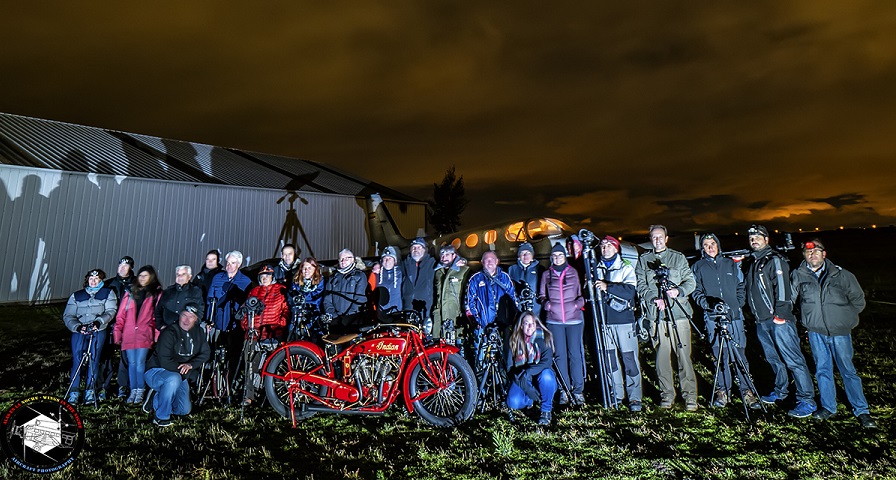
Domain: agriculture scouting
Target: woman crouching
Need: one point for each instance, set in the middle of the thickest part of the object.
(529, 357)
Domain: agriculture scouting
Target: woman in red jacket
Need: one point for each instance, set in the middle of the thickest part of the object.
(267, 327)
(135, 328)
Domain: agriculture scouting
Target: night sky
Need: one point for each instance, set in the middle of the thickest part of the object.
(615, 114)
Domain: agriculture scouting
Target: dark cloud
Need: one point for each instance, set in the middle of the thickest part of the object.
(621, 116)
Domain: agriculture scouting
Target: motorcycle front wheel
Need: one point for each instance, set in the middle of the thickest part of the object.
(447, 396)
(276, 385)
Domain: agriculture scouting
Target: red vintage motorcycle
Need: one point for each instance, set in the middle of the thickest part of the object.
(364, 373)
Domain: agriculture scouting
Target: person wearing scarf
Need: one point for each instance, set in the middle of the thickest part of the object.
(529, 357)
(345, 295)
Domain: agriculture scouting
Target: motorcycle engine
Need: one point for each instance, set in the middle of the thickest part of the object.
(374, 375)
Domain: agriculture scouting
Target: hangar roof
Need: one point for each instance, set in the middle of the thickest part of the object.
(35, 142)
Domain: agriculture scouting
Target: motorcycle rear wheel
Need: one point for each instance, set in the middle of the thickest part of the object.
(455, 402)
(300, 359)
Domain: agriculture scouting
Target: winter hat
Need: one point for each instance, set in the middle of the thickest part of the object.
(389, 252)
(419, 241)
(525, 247)
(128, 260)
(614, 241)
(558, 247)
(447, 249)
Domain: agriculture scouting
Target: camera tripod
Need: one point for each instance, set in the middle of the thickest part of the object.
(730, 353)
(490, 370)
(599, 322)
(87, 360)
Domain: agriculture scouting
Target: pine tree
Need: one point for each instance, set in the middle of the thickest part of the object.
(448, 203)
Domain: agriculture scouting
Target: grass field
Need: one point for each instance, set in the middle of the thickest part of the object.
(588, 442)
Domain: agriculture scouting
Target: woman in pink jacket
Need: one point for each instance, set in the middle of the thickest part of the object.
(135, 328)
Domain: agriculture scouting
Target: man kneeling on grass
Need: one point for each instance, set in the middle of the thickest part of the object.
(178, 358)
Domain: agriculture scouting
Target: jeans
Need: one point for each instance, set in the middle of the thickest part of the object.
(622, 347)
(737, 347)
(136, 365)
(570, 353)
(838, 349)
(80, 344)
(781, 346)
(172, 393)
(547, 387)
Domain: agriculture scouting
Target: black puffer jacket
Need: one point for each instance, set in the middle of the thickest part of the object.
(173, 300)
(830, 307)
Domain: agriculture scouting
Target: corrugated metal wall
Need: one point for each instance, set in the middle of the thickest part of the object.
(58, 225)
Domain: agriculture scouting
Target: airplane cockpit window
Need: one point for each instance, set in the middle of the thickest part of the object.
(515, 232)
(490, 237)
(545, 227)
(472, 240)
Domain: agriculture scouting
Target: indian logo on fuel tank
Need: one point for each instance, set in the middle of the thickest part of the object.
(387, 346)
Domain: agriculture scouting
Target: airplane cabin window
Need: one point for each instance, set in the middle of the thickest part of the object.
(490, 236)
(472, 240)
(455, 243)
(515, 232)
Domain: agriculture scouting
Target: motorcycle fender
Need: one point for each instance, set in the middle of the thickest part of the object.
(406, 383)
(300, 343)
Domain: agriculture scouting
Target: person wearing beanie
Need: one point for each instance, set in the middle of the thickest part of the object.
(110, 363)
(526, 273)
(770, 299)
(830, 301)
(418, 270)
(615, 278)
(719, 280)
(668, 312)
(563, 304)
(450, 283)
(386, 282)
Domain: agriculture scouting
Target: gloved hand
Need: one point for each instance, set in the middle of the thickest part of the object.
(84, 329)
(96, 325)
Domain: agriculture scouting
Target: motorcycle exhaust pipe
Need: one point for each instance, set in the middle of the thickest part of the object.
(337, 389)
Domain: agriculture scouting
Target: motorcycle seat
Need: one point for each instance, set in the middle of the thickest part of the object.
(337, 339)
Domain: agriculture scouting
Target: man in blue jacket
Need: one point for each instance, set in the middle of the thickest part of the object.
(830, 301)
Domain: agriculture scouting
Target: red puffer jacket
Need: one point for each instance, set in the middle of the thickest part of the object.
(135, 329)
(272, 321)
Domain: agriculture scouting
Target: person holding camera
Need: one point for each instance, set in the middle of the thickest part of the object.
(617, 283)
(561, 298)
(664, 282)
(771, 301)
(176, 360)
(530, 353)
(721, 292)
(135, 328)
(490, 299)
(526, 273)
(87, 314)
(450, 281)
(830, 301)
(385, 282)
(266, 308)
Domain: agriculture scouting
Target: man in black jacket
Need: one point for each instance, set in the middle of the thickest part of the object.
(178, 357)
(830, 302)
(177, 296)
(418, 273)
(721, 293)
(770, 299)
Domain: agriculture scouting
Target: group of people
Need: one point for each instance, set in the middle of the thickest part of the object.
(165, 334)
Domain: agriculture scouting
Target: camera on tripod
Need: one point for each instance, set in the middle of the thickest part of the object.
(526, 297)
(721, 313)
(253, 305)
(295, 299)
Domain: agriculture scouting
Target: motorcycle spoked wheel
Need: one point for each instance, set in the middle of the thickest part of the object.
(300, 359)
(455, 402)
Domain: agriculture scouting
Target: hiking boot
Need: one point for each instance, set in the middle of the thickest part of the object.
(691, 407)
(563, 400)
(822, 414)
(771, 398)
(802, 410)
(161, 423)
(89, 396)
(122, 392)
(73, 397)
(545, 418)
(634, 406)
(867, 421)
(720, 399)
(751, 400)
(578, 398)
